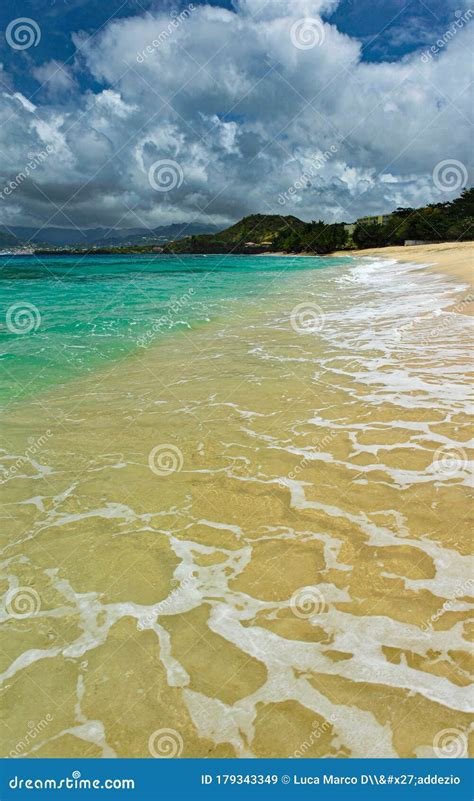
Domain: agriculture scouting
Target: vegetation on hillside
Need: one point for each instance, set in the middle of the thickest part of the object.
(314, 237)
(260, 233)
(259, 228)
(256, 232)
(438, 222)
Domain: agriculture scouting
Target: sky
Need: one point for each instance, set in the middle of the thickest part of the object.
(139, 113)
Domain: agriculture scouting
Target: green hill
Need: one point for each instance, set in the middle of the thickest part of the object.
(255, 233)
(450, 221)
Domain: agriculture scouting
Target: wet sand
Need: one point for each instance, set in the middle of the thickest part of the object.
(455, 259)
(251, 541)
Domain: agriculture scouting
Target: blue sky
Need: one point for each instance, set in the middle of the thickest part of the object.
(243, 109)
(388, 29)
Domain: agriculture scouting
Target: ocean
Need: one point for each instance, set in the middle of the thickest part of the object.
(237, 496)
(69, 315)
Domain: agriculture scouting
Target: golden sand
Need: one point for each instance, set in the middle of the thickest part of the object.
(256, 537)
(455, 259)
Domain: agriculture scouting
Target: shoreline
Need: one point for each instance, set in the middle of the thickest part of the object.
(219, 477)
(452, 259)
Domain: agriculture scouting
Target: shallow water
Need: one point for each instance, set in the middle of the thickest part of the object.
(251, 530)
(66, 316)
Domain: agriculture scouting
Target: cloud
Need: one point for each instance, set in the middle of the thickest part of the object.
(56, 79)
(245, 108)
(276, 9)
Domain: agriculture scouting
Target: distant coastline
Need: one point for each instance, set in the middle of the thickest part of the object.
(453, 257)
(274, 233)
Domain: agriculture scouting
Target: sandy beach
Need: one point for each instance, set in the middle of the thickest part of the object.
(237, 462)
(451, 258)
(253, 532)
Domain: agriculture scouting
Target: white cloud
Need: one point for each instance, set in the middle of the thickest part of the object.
(56, 79)
(276, 9)
(243, 111)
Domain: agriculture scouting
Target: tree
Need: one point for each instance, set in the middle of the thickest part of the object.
(369, 235)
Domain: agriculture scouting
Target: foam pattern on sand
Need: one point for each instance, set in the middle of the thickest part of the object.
(293, 576)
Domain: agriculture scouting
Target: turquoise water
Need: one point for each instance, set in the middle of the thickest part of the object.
(65, 315)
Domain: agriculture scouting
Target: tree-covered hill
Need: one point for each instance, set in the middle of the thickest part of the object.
(257, 232)
(313, 237)
(439, 222)
(261, 233)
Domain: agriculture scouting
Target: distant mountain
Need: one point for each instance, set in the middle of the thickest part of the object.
(7, 239)
(255, 233)
(106, 236)
(167, 233)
